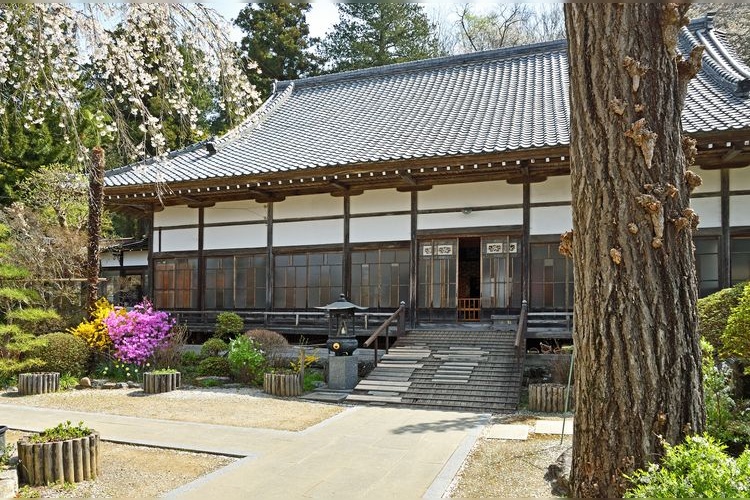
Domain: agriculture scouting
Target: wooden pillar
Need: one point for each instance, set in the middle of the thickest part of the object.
(725, 251)
(346, 272)
(269, 256)
(525, 240)
(150, 272)
(201, 263)
(413, 263)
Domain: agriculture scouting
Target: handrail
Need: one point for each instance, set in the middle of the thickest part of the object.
(400, 315)
(521, 331)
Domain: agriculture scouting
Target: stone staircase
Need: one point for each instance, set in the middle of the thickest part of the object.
(466, 370)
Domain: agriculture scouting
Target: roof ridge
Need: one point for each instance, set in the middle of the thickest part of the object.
(423, 64)
(721, 62)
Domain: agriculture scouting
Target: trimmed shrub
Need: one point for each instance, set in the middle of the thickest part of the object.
(190, 358)
(247, 360)
(713, 313)
(34, 320)
(94, 332)
(735, 338)
(215, 366)
(697, 468)
(228, 325)
(268, 340)
(63, 353)
(213, 346)
(15, 352)
(273, 345)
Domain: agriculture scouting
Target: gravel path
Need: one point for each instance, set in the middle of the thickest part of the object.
(234, 407)
(158, 472)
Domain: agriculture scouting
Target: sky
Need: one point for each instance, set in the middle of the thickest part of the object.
(324, 14)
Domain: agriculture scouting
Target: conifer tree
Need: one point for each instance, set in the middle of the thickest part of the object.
(375, 34)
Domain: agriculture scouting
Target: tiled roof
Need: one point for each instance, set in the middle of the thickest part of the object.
(487, 102)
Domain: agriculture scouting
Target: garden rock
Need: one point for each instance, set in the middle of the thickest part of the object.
(84, 383)
(213, 378)
(133, 385)
(110, 385)
(8, 483)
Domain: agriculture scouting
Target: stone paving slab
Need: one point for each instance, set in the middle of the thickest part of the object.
(517, 432)
(554, 426)
(363, 452)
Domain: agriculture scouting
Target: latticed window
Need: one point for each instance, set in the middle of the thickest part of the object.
(305, 280)
(707, 265)
(380, 278)
(176, 283)
(740, 248)
(551, 278)
(437, 273)
(235, 282)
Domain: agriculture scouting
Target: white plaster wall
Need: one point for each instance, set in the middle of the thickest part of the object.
(244, 236)
(108, 260)
(739, 211)
(551, 220)
(320, 232)
(139, 258)
(175, 240)
(473, 194)
(553, 189)
(234, 211)
(380, 200)
(176, 216)
(739, 179)
(477, 218)
(709, 211)
(388, 228)
(711, 180)
(315, 205)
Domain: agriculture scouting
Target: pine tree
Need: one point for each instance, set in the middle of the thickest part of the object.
(277, 43)
(375, 34)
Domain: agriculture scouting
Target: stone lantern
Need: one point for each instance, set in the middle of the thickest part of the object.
(343, 341)
(342, 363)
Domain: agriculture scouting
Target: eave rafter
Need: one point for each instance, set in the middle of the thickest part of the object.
(515, 167)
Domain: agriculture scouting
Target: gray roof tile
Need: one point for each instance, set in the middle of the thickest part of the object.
(493, 101)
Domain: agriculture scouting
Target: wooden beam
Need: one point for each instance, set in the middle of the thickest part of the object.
(409, 179)
(731, 154)
(412, 189)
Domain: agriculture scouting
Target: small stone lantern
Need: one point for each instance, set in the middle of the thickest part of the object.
(342, 363)
(343, 341)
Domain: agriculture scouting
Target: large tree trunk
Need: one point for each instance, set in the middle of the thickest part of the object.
(638, 375)
(96, 202)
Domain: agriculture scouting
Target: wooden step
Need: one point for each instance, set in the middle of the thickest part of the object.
(374, 399)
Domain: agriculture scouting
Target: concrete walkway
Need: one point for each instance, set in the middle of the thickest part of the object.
(364, 452)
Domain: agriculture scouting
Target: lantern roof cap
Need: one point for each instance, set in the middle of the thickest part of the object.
(341, 305)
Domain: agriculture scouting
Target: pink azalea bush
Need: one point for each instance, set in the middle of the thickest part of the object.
(138, 333)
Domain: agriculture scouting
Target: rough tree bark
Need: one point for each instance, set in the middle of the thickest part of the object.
(96, 202)
(638, 375)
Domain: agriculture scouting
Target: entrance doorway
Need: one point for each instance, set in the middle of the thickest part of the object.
(469, 279)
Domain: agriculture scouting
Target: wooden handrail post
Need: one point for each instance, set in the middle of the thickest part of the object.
(401, 319)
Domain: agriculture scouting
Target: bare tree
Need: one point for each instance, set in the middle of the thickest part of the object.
(638, 372)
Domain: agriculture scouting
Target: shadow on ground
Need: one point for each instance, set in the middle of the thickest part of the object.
(453, 424)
